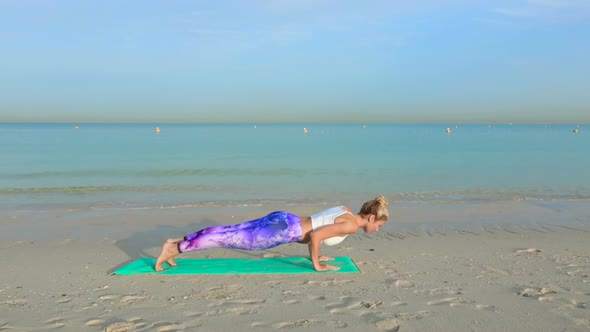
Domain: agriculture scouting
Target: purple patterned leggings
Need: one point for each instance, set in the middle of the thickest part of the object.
(274, 229)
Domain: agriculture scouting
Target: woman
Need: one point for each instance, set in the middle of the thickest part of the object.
(330, 227)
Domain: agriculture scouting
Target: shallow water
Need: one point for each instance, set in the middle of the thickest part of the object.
(130, 166)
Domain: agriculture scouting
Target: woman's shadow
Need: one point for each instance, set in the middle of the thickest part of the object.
(135, 246)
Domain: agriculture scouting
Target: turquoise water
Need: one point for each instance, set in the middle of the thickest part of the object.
(130, 166)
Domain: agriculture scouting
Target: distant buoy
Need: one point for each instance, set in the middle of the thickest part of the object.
(576, 130)
(305, 131)
(77, 127)
(448, 130)
(254, 126)
(157, 130)
(364, 126)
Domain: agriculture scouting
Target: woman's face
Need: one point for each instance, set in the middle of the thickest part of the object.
(374, 225)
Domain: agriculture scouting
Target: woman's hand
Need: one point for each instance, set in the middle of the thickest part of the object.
(325, 258)
(326, 267)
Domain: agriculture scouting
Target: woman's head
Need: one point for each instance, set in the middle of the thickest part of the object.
(376, 207)
(375, 213)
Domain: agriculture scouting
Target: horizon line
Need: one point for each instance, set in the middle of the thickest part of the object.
(299, 123)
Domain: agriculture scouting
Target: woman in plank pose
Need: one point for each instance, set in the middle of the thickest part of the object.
(330, 227)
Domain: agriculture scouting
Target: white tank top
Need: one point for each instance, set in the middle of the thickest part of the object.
(325, 218)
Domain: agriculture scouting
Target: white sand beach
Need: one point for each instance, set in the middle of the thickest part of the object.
(495, 275)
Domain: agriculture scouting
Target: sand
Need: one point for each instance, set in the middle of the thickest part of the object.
(503, 267)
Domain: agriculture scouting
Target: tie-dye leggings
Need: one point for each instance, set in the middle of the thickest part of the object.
(269, 231)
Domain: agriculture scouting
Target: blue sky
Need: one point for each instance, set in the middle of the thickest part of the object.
(295, 61)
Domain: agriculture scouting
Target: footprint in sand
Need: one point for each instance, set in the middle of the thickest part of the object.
(347, 304)
(413, 315)
(574, 266)
(344, 306)
(439, 291)
(529, 292)
(382, 322)
(565, 303)
(171, 328)
(306, 323)
(130, 325)
(245, 301)
(292, 297)
(220, 293)
(527, 251)
(328, 283)
(302, 323)
(490, 270)
(486, 307)
(237, 301)
(167, 327)
(578, 274)
(534, 291)
(452, 301)
(6, 326)
(94, 322)
(389, 324)
(577, 304)
(131, 298)
(53, 323)
(285, 282)
(398, 303)
(120, 327)
(371, 304)
(15, 302)
(225, 311)
(64, 300)
(404, 284)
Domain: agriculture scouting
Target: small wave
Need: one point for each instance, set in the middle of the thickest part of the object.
(426, 196)
(321, 201)
(253, 203)
(165, 173)
(100, 189)
(492, 195)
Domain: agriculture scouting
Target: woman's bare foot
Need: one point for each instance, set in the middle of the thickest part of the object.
(169, 251)
(172, 262)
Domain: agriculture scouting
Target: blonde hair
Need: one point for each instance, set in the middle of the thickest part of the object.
(376, 207)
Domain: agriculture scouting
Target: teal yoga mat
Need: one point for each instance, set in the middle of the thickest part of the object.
(278, 265)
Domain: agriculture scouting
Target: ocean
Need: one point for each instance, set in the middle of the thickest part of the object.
(130, 166)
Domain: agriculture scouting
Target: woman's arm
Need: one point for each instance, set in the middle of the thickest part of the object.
(326, 232)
